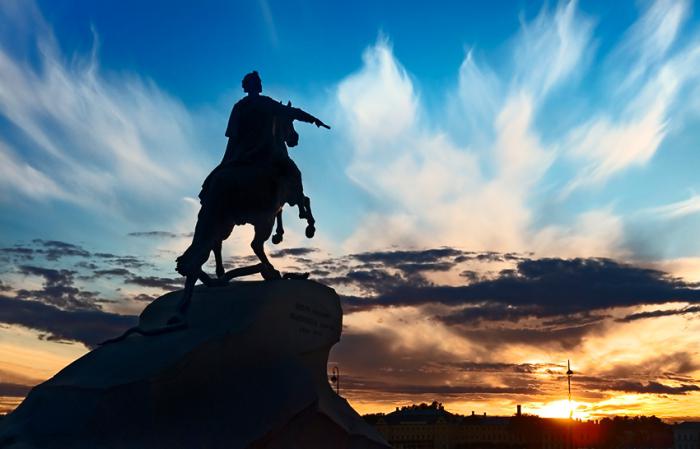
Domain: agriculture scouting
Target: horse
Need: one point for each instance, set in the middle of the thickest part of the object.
(248, 194)
(292, 182)
(234, 195)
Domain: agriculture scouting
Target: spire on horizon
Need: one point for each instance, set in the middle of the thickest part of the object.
(569, 373)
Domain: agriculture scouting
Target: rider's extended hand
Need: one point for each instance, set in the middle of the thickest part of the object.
(319, 123)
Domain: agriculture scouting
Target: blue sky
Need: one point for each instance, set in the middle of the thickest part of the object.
(195, 56)
(558, 130)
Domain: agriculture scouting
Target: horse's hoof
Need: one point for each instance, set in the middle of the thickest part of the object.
(310, 231)
(277, 239)
(219, 282)
(220, 273)
(271, 274)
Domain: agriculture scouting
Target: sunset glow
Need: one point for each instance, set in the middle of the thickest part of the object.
(561, 409)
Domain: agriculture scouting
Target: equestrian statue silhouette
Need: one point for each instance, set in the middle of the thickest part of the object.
(252, 183)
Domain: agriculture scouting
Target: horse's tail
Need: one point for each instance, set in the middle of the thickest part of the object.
(205, 235)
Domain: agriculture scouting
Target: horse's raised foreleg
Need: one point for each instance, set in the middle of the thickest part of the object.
(299, 200)
(279, 229)
(263, 229)
(310, 221)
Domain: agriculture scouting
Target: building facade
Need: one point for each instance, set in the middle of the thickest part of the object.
(686, 435)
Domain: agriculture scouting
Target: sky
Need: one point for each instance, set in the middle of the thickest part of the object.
(504, 187)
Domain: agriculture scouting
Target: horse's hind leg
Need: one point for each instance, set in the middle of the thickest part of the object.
(184, 302)
(279, 230)
(310, 221)
(220, 270)
(262, 233)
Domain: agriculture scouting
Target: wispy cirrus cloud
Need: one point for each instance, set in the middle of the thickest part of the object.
(648, 41)
(677, 209)
(552, 48)
(20, 177)
(472, 189)
(647, 75)
(489, 168)
(108, 142)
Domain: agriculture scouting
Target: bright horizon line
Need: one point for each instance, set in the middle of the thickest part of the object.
(548, 411)
(593, 418)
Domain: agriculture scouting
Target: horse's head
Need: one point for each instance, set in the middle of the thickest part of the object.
(287, 133)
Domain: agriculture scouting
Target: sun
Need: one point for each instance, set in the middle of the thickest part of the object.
(561, 408)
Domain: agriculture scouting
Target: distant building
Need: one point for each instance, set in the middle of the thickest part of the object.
(430, 426)
(686, 435)
(416, 429)
(567, 434)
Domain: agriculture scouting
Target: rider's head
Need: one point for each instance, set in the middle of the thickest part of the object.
(252, 83)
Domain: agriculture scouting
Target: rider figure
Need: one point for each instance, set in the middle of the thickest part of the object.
(246, 187)
(251, 138)
(249, 129)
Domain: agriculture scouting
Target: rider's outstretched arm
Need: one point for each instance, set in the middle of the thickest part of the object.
(304, 116)
(298, 114)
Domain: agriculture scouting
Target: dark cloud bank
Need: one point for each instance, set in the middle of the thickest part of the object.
(535, 302)
(535, 287)
(571, 296)
(62, 310)
(86, 326)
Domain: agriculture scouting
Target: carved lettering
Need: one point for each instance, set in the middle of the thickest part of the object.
(313, 320)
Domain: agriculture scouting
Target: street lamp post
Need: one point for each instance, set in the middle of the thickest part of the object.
(335, 379)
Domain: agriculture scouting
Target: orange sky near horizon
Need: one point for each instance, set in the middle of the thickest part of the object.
(28, 359)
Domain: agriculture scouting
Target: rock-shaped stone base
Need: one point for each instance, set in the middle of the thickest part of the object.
(248, 371)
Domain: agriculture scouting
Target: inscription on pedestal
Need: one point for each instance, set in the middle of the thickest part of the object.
(313, 320)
